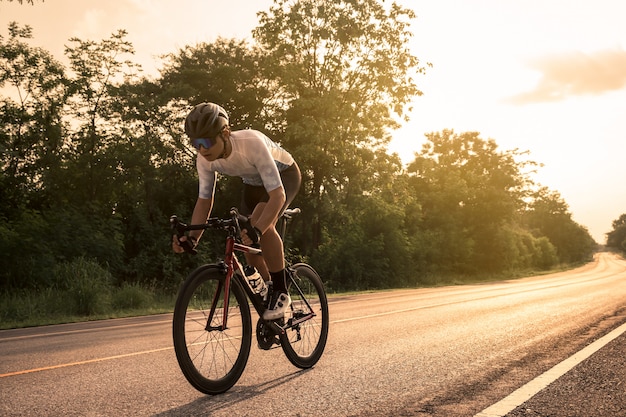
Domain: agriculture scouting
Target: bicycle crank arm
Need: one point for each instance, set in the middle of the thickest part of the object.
(276, 328)
(294, 322)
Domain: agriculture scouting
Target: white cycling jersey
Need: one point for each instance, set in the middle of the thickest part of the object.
(255, 158)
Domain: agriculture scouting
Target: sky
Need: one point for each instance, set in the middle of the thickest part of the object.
(544, 76)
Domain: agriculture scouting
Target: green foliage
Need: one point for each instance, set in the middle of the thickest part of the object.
(84, 205)
(18, 308)
(25, 257)
(131, 296)
(93, 163)
(548, 216)
(616, 238)
(344, 72)
(230, 72)
(87, 286)
(470, 193)
(30, 119)
(367, 249)
(50, 305)
(35, 242)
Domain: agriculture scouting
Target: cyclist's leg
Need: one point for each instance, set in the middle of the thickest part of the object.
(291, 178)
(250, 198)
(273, 253)
(258, 262)
(271, 241)
(255, 199)
(252, 204)
(273, 249)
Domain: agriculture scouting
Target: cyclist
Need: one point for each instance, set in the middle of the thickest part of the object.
(271, 180)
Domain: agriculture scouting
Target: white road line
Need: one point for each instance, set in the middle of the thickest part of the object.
(523, 394)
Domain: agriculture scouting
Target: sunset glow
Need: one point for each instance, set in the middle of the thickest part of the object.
(547, 77)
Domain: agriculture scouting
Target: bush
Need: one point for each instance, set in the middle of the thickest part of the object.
(545, 255)
(35, 308)
(87, 284)
(131, 296)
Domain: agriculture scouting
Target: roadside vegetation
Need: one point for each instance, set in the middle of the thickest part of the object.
(94, 161)
(616, 238)
(81, 290)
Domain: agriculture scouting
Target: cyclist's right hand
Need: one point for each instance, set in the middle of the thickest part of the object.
(182, 244)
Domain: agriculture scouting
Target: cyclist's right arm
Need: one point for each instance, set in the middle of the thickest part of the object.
(201, 213)
(207, 179)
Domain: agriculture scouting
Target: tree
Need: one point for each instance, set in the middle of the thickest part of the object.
(229, 72)
(469, 192)
(481, 212)
(548, 215)
(98, 68)
(616, 238)
(22, 1)
(345, 72)
(155, 178)
(31, 129)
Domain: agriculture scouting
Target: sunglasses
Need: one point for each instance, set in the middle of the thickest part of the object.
(205, 143)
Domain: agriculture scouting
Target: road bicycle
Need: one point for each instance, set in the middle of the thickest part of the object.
(212, 324)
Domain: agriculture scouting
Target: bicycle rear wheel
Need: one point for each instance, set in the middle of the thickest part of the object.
(211, 357)
(304, 342)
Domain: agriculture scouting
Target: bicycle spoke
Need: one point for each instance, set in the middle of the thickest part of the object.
(211, 355)
(307, 324)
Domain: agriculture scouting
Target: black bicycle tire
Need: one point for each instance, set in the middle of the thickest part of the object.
(182, 319)
(306, 272)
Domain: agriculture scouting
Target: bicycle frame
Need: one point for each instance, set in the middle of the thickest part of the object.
(231, 266)
(212, 346)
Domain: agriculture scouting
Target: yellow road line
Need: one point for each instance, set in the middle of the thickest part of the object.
(65, 365)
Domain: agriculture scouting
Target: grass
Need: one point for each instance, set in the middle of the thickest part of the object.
(27, 309)
(80, 290)
(83, 292)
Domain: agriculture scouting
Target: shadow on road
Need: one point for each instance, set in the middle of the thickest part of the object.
(209, 404)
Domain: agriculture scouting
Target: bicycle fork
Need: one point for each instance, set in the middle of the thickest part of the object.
(216, 298)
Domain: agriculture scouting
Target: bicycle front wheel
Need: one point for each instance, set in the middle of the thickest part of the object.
(211, 355)
(305, 337)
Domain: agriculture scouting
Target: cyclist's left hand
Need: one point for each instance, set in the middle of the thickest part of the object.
(183, 244)
(250, 235)
(176, 246)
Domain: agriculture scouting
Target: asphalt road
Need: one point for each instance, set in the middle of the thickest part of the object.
(451, 351)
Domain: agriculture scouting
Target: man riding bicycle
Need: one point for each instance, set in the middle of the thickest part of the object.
(271, 180)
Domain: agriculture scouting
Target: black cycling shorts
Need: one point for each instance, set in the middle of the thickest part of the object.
(253, 195)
